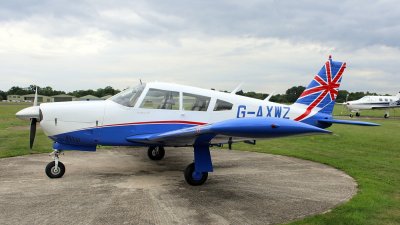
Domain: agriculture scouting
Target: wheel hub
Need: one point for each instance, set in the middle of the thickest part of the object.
(55, 170)
(155, 152)
(197, 175)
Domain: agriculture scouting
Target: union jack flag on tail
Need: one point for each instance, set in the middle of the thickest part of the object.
(321, 93)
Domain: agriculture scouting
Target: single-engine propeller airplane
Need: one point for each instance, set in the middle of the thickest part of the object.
(158, 115)
(373, 102)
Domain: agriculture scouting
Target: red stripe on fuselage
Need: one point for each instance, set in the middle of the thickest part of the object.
(156, 122)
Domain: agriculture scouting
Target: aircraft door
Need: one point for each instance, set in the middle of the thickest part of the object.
(195, 107)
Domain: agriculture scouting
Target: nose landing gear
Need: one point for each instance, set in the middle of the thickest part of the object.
(156, 152)
(55, 169)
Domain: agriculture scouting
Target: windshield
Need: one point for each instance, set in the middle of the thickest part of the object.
(129, 96)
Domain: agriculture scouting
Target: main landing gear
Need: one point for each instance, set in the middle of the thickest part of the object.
(55, 169)
(195, 173)
(357, 115)
(156, 152)
(194, 178)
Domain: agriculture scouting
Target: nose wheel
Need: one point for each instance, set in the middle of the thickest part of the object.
(55, 169)
(156, 152)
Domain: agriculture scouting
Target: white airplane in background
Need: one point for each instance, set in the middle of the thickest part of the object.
(158, 115)
(373, 102)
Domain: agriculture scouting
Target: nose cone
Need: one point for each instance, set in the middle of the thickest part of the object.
(29, 113)
(350, 105)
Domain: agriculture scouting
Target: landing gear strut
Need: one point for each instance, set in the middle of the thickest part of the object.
(196, 173)
(55, 169)
(156, 152)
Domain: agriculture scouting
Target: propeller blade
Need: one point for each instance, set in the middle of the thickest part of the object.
(32, 132)
(35, 100)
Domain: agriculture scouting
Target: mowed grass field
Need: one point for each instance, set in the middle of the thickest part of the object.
(371, 155)
(14, 133)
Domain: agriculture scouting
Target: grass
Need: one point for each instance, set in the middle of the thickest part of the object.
(370, 155)
(14, 133)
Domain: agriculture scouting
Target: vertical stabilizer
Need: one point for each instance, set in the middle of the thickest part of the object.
(321, 93)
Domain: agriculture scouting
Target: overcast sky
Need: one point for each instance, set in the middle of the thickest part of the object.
(266, 45)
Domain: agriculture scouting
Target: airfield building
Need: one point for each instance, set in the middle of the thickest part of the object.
(55, 98)
(89, 98)
(106, 97)
(62, 98)
(31, 97)
(14, 98)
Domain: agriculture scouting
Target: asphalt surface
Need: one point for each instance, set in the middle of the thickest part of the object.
(122, 186)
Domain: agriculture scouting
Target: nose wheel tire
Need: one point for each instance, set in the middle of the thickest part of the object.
(195, 178)
(156, 152)
(53, 172)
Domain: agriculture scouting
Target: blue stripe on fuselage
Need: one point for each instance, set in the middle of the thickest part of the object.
(114, 135)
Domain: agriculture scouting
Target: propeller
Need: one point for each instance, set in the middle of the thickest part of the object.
(32, 132)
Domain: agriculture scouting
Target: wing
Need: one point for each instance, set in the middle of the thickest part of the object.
(258, 127)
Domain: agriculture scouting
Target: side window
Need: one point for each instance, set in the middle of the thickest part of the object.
(222, 105)
(192, 102)
(380, 99)
(386, 99)
(161, 99)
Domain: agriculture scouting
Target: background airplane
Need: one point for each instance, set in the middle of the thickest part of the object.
(157, 115)
(373, 102)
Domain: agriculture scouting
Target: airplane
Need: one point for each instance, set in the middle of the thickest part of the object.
(373, 102)
(158, 115)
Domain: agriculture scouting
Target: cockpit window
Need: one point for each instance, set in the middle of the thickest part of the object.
(192, 102)
(222, 105)
(129, 96)
(161, 99)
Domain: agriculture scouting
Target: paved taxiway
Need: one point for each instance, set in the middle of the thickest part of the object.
(122, 186)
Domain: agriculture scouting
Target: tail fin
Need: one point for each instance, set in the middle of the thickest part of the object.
(321, 93)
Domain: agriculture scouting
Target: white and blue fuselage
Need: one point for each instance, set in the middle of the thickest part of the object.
(109, 122)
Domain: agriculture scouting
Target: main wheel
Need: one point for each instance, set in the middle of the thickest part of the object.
(52, 172)
(194, 178)
(386, 116)
(357, 114)
(351, 115)
(156, 152)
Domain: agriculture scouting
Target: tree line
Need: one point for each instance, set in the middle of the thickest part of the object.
(49, 91)
(293, 93)
(290, 96)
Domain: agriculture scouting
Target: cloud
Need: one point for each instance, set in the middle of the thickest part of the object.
(268, 45)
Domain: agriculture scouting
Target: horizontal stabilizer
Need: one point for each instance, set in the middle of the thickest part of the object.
(348, 122)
